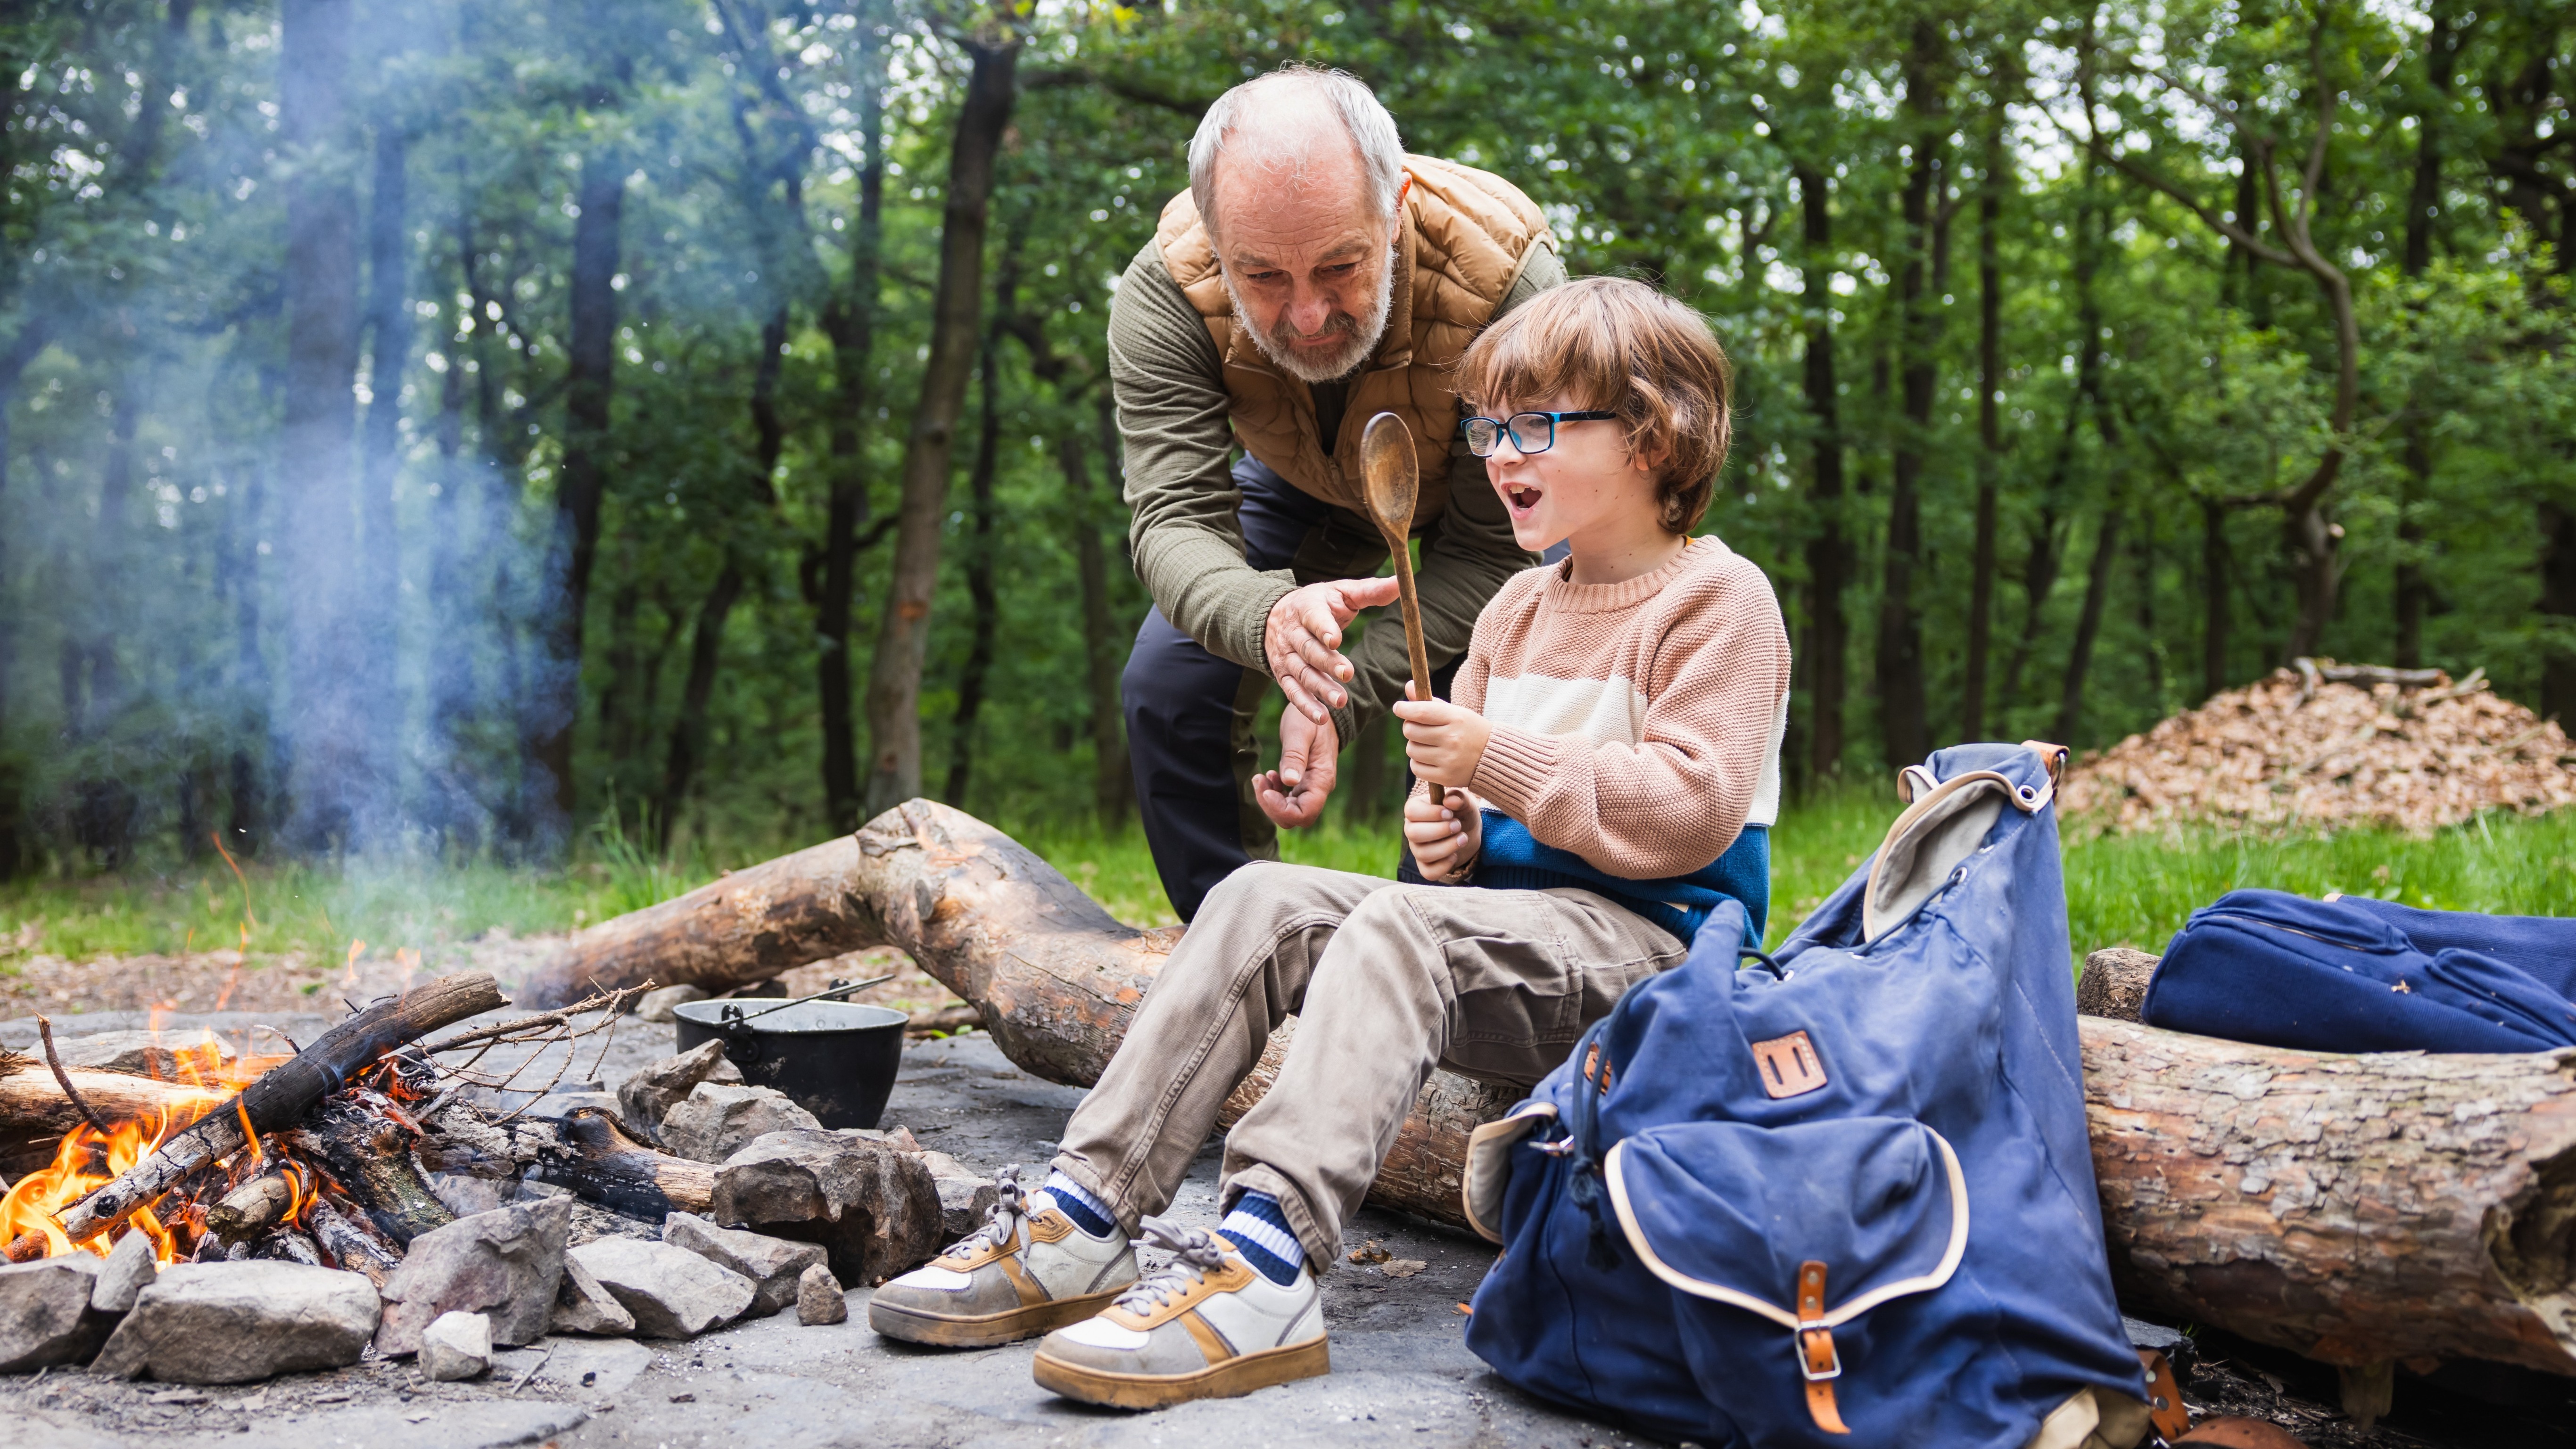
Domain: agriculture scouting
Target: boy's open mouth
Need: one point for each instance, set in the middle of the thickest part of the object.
(1523, 498)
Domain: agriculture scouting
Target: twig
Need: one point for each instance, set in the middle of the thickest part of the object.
(522, 1381)
(543, 1021)
(45, 1030)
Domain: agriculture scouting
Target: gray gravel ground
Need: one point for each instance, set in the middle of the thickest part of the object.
(1401, 1376)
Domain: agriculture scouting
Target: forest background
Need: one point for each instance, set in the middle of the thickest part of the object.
(483, 434)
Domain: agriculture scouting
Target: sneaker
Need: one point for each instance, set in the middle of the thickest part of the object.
(1028, 1269)
(1206, 1326)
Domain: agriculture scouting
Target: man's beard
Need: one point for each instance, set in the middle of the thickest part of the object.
(1359, 340)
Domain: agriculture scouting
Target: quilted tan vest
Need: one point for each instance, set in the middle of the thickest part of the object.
(1467, 236)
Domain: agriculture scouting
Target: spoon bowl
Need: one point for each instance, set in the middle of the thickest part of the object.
(1393, 470)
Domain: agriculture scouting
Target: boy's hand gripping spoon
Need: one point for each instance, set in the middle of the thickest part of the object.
(1394, 483)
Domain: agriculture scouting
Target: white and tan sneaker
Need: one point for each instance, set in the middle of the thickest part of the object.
(1207, 1326)
(1028, 1269)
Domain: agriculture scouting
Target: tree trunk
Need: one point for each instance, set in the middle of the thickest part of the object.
(2215, 583)
(2039, 572)
(1990, 437)
(850, 320)
(2088, 626)
(380, 583)
(2351, 1208)
(2423, 209)
(706, 645)
(580, 483)
(22, 350)
(979, 563)
(903, 632)
(2558, 609)
(316, 442)
(1829, 554)
(1905, 729)
(1113, 783)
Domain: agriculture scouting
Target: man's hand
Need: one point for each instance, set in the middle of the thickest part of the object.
(1445, 837)
(1303, 640)
(1444, 741)
(1309, 758)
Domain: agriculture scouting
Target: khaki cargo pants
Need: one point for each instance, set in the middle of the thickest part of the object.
(1387, 981)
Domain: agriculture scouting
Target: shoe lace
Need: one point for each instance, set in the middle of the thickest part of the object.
(1195, 1254)
(1001, 1221)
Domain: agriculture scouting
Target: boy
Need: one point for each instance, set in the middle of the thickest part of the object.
(1611, 766)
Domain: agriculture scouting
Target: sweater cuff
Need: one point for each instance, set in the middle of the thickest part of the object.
(1516, 769)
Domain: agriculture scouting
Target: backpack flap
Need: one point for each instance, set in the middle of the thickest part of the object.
(1489, 1164)
(1807, 1226)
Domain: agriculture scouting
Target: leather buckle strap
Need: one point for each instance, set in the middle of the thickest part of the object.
(1819, 1363)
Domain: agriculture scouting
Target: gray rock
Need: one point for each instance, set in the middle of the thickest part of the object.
(584, 1305)
(648, 1096)
(820, 1299)
(232, 1323)
(507, 1263)
(661, 1006)
(672, 1292)
(144, 1053)
(874, 1208)
(130, 1267)
(45, 1312)
(466, 1196)
(715, 1121)
(456, 1347)
(965, 1196)
(772, 1264)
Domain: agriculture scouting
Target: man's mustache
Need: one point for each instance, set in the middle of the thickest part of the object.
(1339, 324)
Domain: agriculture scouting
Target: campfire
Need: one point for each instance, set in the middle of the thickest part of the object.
(90, 1156)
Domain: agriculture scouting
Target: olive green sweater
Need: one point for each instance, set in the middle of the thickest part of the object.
(1188, 546)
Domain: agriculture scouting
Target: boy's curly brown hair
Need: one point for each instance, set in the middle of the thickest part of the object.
(1617, 346)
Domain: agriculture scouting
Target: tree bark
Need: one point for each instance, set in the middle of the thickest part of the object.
(2423, 209)
(2039, 571)
(1905, 727)
(22, 349)
(2088, 626)
(2216, 582)
(1829, 554)
(1990, 436)
(2355, 1209)
(2351, 1208)
(850, 320)
(580, 484)
(903, 632)
(317, 438)
(986, 603)
(588, 1153)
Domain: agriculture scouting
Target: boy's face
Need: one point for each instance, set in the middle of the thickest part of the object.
(1587, 484)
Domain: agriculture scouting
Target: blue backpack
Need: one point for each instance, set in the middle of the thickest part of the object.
(2359, 975)
(1844, 1192)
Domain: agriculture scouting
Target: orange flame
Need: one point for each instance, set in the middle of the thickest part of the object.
(88, 1160)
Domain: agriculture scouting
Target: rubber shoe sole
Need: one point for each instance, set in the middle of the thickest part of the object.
(1231, 1379)
(985, 1330)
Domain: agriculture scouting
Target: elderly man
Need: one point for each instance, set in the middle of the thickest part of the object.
(1312, 277)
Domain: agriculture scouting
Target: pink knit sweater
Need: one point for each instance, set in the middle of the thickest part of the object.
(1635, 724)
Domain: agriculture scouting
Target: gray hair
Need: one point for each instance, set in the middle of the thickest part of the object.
(1370, 128)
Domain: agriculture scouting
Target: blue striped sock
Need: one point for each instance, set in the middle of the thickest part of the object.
(1088, 1213)
(1259, 1230)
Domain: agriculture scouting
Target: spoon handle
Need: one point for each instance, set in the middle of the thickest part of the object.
(1421, 655)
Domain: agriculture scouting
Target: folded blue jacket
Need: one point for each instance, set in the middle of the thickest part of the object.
(1513, 859)
(2365, 976)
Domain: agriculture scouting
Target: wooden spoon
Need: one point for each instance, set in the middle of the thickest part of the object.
(1394, 484)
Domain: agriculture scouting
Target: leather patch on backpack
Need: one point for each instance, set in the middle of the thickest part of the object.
(1788, 1065)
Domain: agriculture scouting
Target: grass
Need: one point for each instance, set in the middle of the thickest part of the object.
(2121, 890)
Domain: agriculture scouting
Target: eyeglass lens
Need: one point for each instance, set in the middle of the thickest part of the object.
(1531, 433)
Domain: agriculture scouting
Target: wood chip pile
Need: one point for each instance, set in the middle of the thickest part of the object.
(2306, 750)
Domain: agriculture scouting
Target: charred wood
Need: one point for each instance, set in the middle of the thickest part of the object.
(369, 1156)
(587, 1152)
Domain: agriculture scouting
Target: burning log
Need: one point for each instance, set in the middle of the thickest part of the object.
(349, 1245)
(35, 1112)
(252, 1208)
(589, 1153)
(2356, 1209)
(285, 1093)
(368, 1154)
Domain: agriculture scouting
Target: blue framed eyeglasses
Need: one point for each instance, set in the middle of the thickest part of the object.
(1531, 432)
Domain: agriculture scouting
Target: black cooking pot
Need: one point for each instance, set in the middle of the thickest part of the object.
(832, 1058)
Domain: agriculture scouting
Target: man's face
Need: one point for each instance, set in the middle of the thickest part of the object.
(1308, 262)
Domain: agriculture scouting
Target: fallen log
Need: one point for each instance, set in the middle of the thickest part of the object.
(2355, 1209)
(33, 1104)
(286, 1092)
